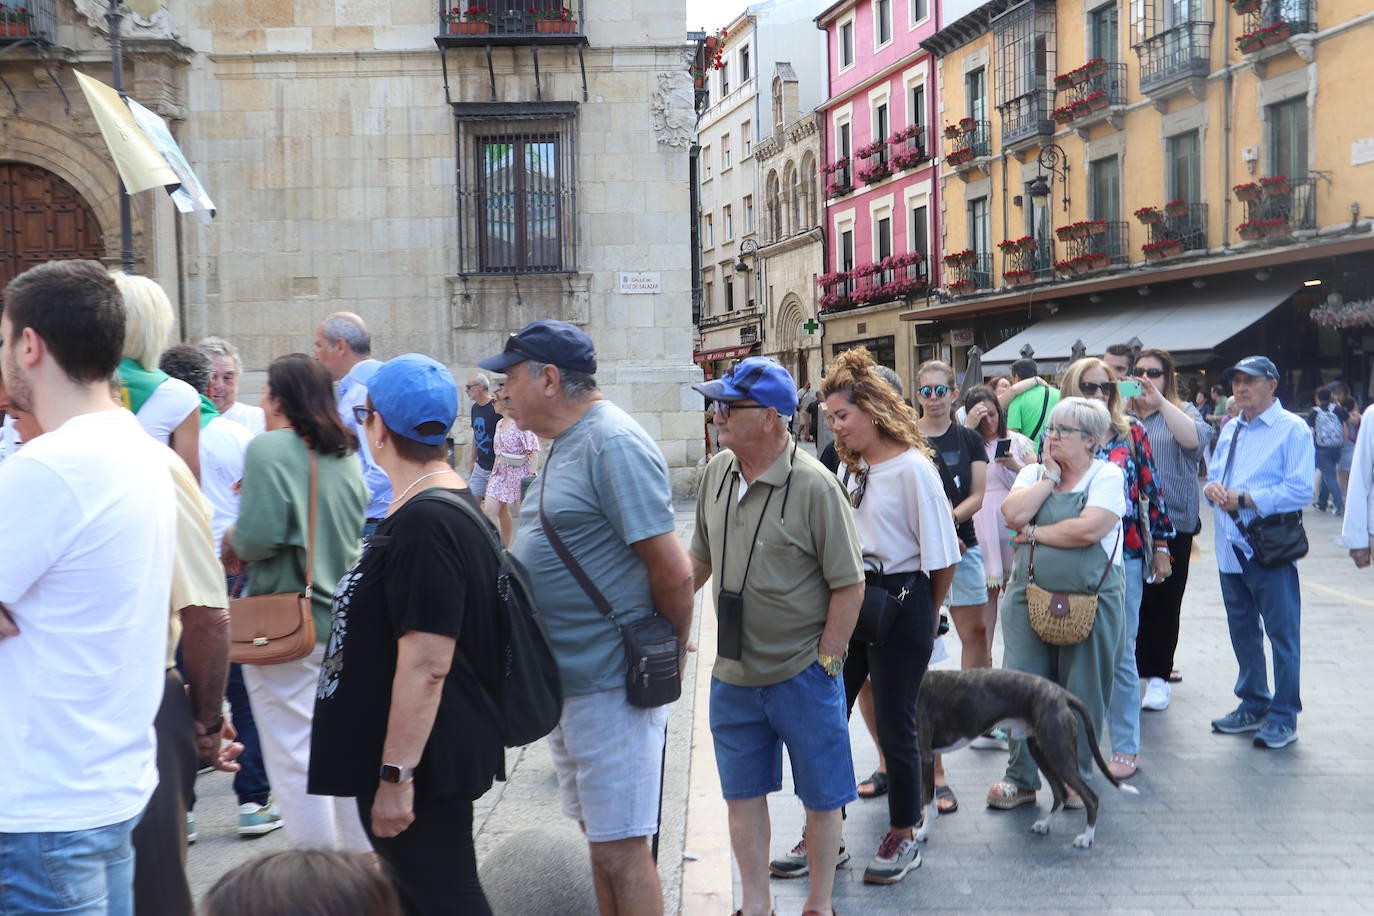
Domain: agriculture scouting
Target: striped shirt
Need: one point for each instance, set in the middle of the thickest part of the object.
(1275, 464)
(1178, 467)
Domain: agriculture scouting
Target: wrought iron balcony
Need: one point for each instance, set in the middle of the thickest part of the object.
(1299, 15)
(968, 141)
(27, 20)
(1092, 97)
(1091, 245)
(1175, 54)
(1174, 232)
(1281, 207)
(909, 147)
(1031, 260)
(505, 22)
(1027, 116)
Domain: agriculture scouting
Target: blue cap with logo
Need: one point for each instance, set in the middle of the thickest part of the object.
(1258, 366)
(758, 378)
(412, 390)
(546, 341)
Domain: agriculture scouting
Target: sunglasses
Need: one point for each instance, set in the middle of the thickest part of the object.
(360, 413)
(724, 409)
(1141, 372)
(1061, 431)
(1091, 388)
(856, 496)
(933, 391)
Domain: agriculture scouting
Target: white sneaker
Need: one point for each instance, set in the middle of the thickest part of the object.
(1156, 695)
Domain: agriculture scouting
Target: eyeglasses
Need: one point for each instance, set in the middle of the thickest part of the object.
(472, 385)
(856, 496)
(360, 413)
(933, 391)
(1061, 431)
(1091, 388)
(1142, 372)
(722, 408)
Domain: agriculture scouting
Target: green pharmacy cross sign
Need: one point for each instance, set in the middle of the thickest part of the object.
(811, 326)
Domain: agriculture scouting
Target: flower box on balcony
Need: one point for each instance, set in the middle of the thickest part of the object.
(968, 125)
(960, 156)
(836, 301)
(1164, 248)
(1250, 42)
(1277, 228)
(1009, 246)
(953, 132)
(1276, 186)
(1248, 192)
(1063, 114)
(906, 133)
(1278, 32)
(908, 160)
(835, 166)
(1096, 67)
(959, 287)
(831, 279)
(556, 25)
(1098, 260)
(1244, 7)
(866, 270)
(838, 189)
(1065, 269)
(959, 258)
(14, 21)
(872, 149)
(1018, 277)
(1150, 216)
(1251, 230)
(1098, 100)
(874, 173)
(1176, 209)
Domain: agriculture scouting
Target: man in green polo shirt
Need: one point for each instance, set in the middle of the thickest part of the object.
(1027, 412)
(774, 530)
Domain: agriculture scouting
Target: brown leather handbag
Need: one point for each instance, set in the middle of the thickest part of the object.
(271, 629)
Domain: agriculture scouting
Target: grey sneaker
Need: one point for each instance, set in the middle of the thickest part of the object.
(191, 834)
(255, 820)
(896, 856)
(1274, 736)
(1238, 721)
(794, 864)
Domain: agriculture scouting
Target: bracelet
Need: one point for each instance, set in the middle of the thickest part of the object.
(1159, 549)
(1030, 535)
(1052, 478)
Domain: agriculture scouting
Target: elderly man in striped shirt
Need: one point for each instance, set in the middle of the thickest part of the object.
(1263, 465)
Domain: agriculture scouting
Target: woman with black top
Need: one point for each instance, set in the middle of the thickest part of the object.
(403, 720)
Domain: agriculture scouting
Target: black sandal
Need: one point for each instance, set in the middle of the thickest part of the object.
(945, 793)
(878, 780)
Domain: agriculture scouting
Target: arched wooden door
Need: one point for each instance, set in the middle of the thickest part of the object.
(42, 218)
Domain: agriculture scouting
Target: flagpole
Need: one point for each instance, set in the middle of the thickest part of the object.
(113, 17)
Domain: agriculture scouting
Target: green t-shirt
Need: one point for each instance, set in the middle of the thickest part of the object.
(1029, 411)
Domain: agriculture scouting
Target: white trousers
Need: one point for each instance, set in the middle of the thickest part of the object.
(283, 698)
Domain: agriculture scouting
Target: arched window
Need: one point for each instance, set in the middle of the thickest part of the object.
(774, 206)
(794, 202)
(808, 184)
(777, 106)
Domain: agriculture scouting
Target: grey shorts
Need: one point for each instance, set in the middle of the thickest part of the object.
(477, 483)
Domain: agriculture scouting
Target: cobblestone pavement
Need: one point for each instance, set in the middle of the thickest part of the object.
(1219, 826)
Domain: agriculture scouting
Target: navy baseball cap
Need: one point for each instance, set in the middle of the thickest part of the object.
(1258, 366)
(758, 378)
(412, 390)
(547, 341)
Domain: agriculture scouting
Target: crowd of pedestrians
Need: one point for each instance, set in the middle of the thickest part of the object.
(340, 495)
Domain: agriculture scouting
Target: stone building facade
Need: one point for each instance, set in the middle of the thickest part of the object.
(448, 191)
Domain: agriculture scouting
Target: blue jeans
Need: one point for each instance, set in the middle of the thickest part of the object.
(1123, 714)
(75, 873)
(1263, 601)
(250, 782)
(1327, 456)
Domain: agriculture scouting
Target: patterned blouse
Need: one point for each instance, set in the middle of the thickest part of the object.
(1140, 479)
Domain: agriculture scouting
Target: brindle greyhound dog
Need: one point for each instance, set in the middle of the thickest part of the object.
(957, 706)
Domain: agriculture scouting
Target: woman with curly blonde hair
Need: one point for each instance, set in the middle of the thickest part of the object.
(910, 548)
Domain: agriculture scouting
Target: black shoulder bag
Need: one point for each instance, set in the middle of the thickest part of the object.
(1275, 539)
(651, 645)
(1044, 413)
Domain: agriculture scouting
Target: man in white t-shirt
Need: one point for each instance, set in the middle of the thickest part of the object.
(226, 367)
(86, 545)
(344, 347)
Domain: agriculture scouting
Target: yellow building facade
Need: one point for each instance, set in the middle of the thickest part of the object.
(1192, 174)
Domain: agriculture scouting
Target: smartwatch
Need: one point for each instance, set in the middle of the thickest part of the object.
(392, 773)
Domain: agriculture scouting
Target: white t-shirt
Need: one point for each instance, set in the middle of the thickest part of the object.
(9, 438)
(246, 415)
(167, 407)
(905, 519)
(1106, 486)
(86, 543)
(223, 444)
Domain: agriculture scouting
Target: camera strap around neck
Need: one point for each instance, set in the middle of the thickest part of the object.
(725, 538)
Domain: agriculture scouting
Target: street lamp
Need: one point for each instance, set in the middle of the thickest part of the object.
(748, 246)
(1054, 160)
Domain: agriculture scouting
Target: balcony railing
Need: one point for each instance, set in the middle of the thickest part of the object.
(27, 20)
(969, 140)
(1091, 245)
(1175, 54)
(1280, 208)
(1027, 116)
(1033, 261)
(1299, 15)
(1101, 87)
(1173, 233)
(909, 148)
(505, 22)
(839, 178)
(968, 272)
(874, 163)
(890, 280)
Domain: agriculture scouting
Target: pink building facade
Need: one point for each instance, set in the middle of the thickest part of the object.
(878, 179)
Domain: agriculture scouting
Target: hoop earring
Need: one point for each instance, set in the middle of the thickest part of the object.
(379, 443)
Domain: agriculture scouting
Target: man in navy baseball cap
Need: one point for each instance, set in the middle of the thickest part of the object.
(758, 378)
(1257, 366)
(557, 343)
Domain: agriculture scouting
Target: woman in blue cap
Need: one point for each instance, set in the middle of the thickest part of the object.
(401, 723)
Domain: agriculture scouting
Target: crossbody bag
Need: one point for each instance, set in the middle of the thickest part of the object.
(271, 629)
(1275, 539)
(651, 645)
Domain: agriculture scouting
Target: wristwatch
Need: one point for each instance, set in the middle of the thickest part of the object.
(214, 728)
(394, 774)
(831, 664)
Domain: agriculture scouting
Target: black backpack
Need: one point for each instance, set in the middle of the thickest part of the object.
(531, 691)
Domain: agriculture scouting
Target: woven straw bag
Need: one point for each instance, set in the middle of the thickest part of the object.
(1063, 618)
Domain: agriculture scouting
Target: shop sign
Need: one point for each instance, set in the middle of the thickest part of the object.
(961, 337)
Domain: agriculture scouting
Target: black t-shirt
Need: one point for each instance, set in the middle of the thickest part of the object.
(484, 419)
(830, 457)
(428, 569)
(955, 453)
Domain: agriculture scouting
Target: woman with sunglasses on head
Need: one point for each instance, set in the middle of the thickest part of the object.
(516, 451)
(1068, 511)
(1178, 437)
(1128, 447)
(907, 534)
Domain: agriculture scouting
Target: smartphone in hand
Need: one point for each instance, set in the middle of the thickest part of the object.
(1130, 388)
(1003, 448)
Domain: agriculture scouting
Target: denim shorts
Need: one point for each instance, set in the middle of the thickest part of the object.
(806, 713)
(970, 584)
(79, 872)
(609, 759)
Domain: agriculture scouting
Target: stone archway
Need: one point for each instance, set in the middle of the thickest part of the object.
(42, 218)
(788, 333)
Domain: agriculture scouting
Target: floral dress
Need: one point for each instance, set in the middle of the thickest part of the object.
(989, 523)
(1141, 479)
(504, 485)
